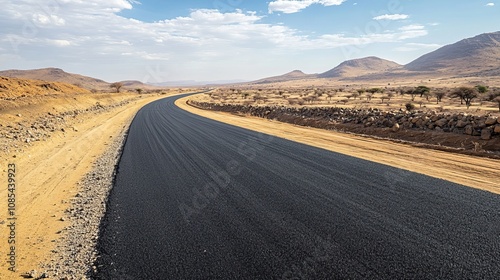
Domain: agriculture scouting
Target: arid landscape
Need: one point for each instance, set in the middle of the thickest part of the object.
(438, 115)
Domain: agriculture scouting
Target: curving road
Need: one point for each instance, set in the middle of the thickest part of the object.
(199, 199)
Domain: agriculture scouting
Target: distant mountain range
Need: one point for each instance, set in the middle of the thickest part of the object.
(473, 57)
(477, 56)
(58, 75)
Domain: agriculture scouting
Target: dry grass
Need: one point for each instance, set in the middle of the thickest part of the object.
(350, 97)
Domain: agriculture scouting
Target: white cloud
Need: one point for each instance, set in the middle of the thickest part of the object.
(91, 32)
(391, 17)
(294, 6)
(59, 43)
(490, 4)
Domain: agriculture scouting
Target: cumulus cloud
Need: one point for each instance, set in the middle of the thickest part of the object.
(91, 32)
(294, 6)
(490, 4)
(391, 17)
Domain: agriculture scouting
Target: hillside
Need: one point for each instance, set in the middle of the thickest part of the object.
(11, 88)
(359, 67)
(56, 75)
(294, 75)
(479, 56)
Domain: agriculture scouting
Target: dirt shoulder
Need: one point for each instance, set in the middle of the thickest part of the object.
(476, 172)
(49, 168)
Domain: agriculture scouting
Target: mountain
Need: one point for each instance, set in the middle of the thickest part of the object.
(294, 75)
(360, 67)
(56, 75)
(477, 56)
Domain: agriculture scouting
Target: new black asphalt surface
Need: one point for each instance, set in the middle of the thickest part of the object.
(199, 199)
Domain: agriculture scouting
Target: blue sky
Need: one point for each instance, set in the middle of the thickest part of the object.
(213, 40)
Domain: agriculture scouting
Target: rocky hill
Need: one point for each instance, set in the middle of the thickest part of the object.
(359, 67)
(477, 56)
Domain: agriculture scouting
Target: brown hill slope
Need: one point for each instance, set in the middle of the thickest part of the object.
(11, 88)
(57, 75)
(294, 75)
(361, 66)
(479, 56)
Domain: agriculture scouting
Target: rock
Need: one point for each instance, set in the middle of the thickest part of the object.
(461, 124)
(441, 122)
(469, 130)
(19, 115)
(486, 134)
(497, 129)
(395, 127)
(490, 121)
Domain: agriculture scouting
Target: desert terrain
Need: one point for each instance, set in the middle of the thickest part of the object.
(54, 133)
(63, 134)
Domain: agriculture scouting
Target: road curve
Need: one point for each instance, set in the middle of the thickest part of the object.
(199, 199)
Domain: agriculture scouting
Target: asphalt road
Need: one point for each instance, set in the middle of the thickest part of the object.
(198, 199)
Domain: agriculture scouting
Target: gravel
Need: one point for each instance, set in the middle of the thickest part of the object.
(76, 252)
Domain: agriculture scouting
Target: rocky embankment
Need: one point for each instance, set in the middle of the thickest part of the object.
(15, 135)
(457, 131)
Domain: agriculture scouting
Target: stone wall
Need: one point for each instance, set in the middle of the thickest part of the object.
(483, 127)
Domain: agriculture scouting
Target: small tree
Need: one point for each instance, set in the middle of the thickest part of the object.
(422, 90)
(390, 95)
(413, 93)
(139, 90)
(439, 96)
(466, 94)
(482, 89)
(116, 86)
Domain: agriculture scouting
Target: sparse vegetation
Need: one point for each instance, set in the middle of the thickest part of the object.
(439, 96)
(466, 94)
(117, 86)
(410, 106)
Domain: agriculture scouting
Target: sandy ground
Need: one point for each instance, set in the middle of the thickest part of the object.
(47, 176)
(470, 171)
(48, 172)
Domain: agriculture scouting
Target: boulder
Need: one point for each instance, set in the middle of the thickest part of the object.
(395, 128)
(497, 128)
(469, 130)
(461, 124)
(490, 121)
(486, 134)
(441, 122)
